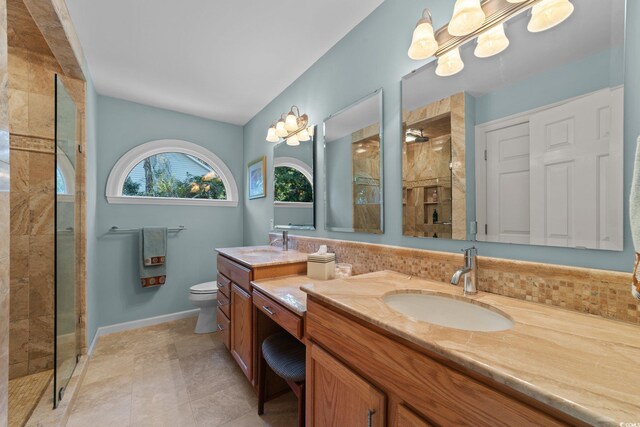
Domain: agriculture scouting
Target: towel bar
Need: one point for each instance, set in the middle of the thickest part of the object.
(115, 229)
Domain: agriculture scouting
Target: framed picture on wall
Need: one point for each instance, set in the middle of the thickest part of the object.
(257, 178)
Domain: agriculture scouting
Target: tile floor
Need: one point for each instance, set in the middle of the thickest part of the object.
(165, 375)
(24, 394)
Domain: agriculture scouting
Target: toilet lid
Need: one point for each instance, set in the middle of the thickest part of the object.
(204, 288)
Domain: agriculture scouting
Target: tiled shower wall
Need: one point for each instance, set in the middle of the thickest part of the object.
(4, 220)
(31, 117)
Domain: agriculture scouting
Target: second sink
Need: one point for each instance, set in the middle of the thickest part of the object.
(448, 311)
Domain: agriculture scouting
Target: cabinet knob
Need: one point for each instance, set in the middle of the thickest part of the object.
(220, 328)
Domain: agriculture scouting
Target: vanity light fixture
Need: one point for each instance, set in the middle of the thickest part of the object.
(423, 42)
(467, 17)
(548, 13)
(491, 42)
(484, 20)
(291, 127)
(450, 63)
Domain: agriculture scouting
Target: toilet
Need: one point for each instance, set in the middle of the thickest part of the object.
(205, 297)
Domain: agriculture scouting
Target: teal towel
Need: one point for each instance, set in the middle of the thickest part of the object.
(153, 253)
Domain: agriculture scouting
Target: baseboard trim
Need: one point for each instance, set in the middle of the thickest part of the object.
(135, 324)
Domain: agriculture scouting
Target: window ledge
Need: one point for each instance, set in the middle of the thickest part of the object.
(136, 200)
(307, 205)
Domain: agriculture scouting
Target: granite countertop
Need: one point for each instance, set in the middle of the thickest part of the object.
(262, 256)
(583, 365)
(286, 290)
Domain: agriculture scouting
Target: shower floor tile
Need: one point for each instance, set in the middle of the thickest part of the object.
(166, 375)
(24, 395)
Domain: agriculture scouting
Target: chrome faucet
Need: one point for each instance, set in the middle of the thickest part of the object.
(470, 272)
(284, 239)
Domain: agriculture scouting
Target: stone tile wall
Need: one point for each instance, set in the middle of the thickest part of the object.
(4, 220)
(31, 119)
(600, 292)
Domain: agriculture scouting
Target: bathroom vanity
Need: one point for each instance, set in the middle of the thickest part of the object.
(368, 361)
(239, 304)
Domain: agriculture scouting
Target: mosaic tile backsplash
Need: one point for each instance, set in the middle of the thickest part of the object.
(600, 292)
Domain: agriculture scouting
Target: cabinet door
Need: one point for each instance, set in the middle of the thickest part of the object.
(405, 417)
(241, 330)
(340, 397)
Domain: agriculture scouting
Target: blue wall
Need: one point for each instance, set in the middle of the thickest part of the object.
(114, 292)
(374, 55)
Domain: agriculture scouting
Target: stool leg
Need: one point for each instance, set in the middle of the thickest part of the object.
(262, 386)
(301, 405)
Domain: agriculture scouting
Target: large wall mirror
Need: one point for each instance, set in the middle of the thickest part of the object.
(294, 185)
(353, 167)
(525, 146)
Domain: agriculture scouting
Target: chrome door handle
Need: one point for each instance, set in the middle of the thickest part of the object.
(268, 310)
(370, 417)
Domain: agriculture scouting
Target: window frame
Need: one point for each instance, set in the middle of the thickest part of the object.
(304, 169)
(131, 158)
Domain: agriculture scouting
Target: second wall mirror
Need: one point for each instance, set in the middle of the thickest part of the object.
(294, 185)
(353, 167)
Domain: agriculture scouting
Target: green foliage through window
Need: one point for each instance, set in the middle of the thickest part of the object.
(292, 186)
(155, 177)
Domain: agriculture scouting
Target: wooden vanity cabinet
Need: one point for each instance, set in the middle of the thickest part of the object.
(338, 396)
(354, 361)
(241, 335)
(235, 312)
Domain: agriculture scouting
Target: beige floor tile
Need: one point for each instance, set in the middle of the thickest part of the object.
(194, 344)
(157, 386)
(149, 355)
(112, 413)
(101, 368)
(221, 407)
(98, 392)
(171, 416)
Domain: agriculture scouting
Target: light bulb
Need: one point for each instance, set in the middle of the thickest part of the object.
(467, 17)
(291, 122)
(293, 140)
(310, 130)
(549, 13)
(280, 129)
(271, 135)
(303, 135)
(423, 42)
(450, 63)
(491, 42)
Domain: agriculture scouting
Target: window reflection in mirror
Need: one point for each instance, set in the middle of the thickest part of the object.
(536, 137)
(293, 185)
(353, 167)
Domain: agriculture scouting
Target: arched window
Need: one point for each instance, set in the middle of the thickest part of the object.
(293, 183)
(171, 172)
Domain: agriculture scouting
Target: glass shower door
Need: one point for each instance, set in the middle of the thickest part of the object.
(66, 316)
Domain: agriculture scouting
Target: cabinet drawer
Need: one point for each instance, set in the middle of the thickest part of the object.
(224, 285)
(224, 304)
(282, 316)
(238, 274)
(224, 328)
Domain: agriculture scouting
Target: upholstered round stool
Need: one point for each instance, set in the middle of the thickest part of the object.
(286, 356)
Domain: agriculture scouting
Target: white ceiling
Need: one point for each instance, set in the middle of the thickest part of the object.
(223, 60)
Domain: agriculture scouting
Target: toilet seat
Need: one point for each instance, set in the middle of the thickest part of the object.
(204, 288)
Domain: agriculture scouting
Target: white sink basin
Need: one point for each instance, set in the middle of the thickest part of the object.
(448, 311)
(262, 252)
